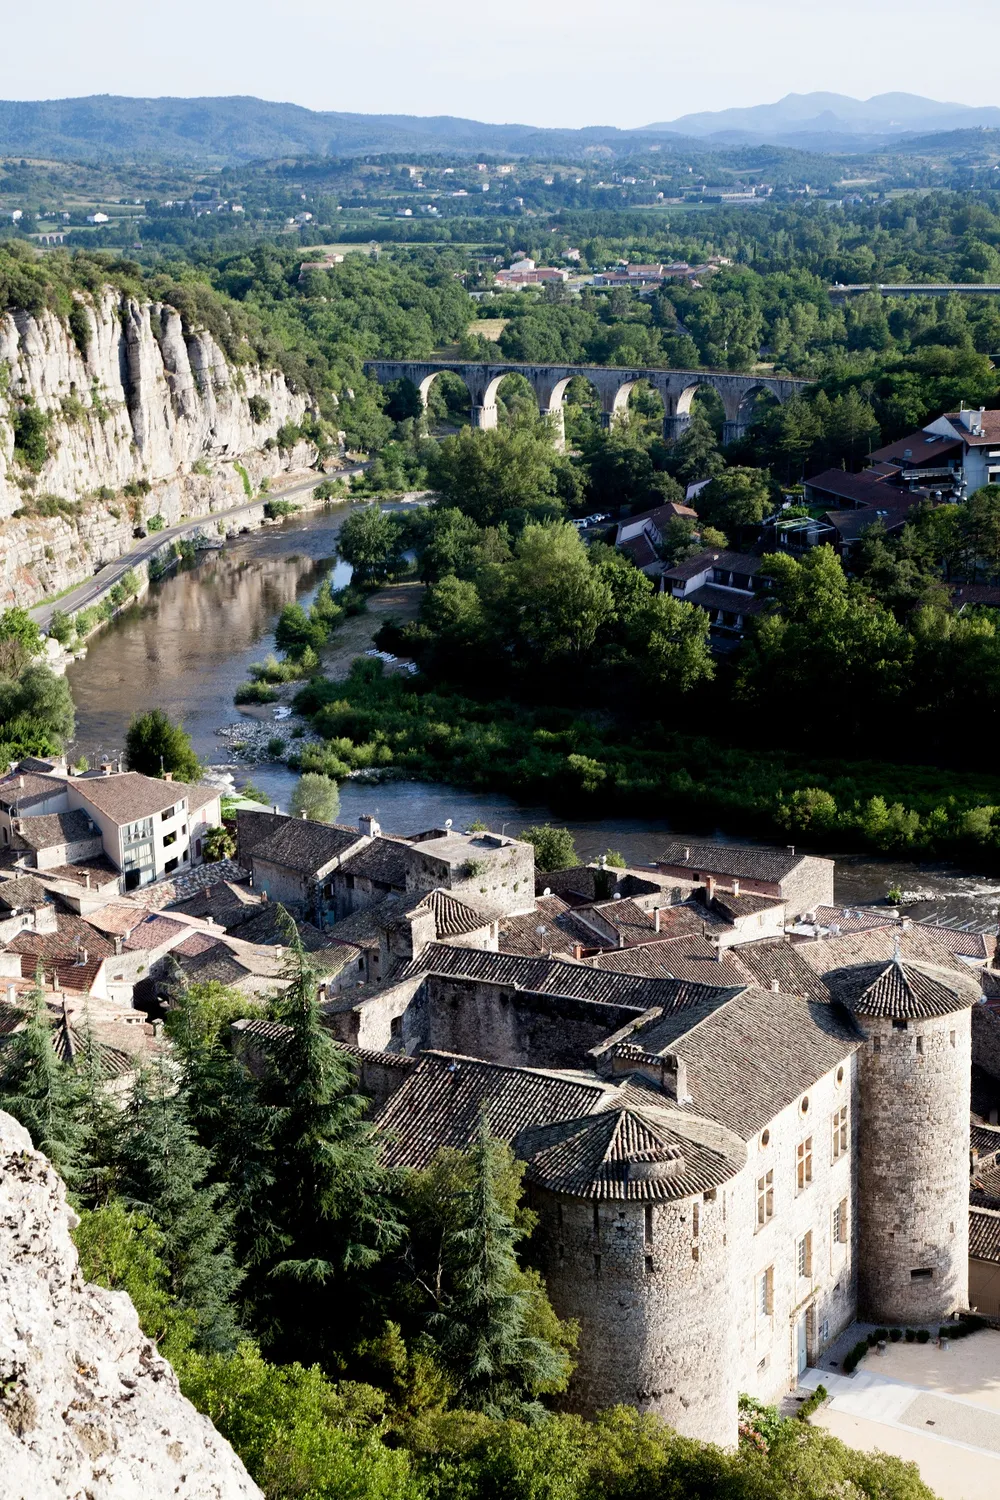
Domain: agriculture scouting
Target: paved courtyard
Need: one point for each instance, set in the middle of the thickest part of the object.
(939, 1408)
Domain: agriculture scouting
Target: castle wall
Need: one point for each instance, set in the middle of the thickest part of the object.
(914, 1168)
(794, 1308)
(510, 1026)
(653, 1292)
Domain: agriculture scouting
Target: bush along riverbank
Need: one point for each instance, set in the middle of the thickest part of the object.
(588, 764)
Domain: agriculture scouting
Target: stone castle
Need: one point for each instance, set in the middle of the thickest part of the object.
(743, 1112)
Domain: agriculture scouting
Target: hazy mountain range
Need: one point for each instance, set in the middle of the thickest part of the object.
(236, 129)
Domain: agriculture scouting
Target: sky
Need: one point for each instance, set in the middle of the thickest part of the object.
(547, 62)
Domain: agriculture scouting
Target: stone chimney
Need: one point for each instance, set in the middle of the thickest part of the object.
(105, 768)
(656, 919)
(119, 946)
(369, 826)
(736, 887)
(709, 889)
(168, 775)
(687, 852)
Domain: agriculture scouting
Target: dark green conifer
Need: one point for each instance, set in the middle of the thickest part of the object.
(40, 1090)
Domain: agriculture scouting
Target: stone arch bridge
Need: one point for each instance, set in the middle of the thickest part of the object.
(612, 384)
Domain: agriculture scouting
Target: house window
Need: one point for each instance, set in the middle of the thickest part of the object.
(804, 1163)
(170, 866)
(899, 1026)
(840, 1223)
(171, 838)
(765, 1293)
(197, 848)
(839, 1133)
(804, 1254)
(166, 815)
(765, 1198)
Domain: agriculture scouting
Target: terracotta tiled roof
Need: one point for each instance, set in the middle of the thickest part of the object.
(986, 1140)
(744, 861)
(746, 904)
(72, 934)
(383, 860)
(863, 489)
(755, 1054)
(452, 917)
(555, 976)
(443, 1099)
(21, 789)
(550, 928)
(984, 1234)
(224, 902)
(51, 829)
(622, 1153)
(304, 846)
(117, 918)
(689, 958)
(855, 918)
(261, 924)
(898, 989)
(24, 893)
(932, 947)
(101, 871)
(153, 933)
(769, 963)
(640, 549)
(196, 944)
(129, 795)
(63, 973)
(920, 449)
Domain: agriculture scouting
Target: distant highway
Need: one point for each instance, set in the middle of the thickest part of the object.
(918, 289)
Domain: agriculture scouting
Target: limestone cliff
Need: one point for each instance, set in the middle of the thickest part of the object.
(87, 1406)
(131, 399)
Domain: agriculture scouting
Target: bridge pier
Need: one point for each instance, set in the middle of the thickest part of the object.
(732, 432)
(675, 426)
(484, 416)
(555, 416)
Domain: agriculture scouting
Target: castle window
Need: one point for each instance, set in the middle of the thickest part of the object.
(824, 1330)
(648, 1214)
(840, 1076)
(559, 1215)
(839, 1133)
(920, 1046)
(765, 1198)
(765, 1137)
(695, 1219)
(951, 1037)
(899, 1026)
(924, 1274)
(804, 1163)
(649, 1265)
(876, 1044)
(597, 1265)
(711, 1195)
(597, 1220)
(765, 1292)
(695, 1253)
(804, 1105)
(804, 1254)
(840, 1223)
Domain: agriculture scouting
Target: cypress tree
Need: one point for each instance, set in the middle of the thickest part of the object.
(327, 1218)
(40, 1090)
(163, 1172)
(496, 1334)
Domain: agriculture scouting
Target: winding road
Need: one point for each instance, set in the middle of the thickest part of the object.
(97, 585)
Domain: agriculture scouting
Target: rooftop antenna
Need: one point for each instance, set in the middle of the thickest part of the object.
(447, 822)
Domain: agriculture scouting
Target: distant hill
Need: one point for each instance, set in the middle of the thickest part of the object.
(240, 129)
(808, 121)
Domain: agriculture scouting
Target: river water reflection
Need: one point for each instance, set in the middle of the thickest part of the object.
(187, 646)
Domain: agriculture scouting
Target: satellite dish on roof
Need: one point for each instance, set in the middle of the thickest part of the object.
(447, 822)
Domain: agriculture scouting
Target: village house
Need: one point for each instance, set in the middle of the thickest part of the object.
(728, 586)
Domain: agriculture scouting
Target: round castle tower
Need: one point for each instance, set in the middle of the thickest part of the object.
(633, 1203)
(913, 1140)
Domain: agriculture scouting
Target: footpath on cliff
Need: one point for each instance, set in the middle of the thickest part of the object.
(97, 586)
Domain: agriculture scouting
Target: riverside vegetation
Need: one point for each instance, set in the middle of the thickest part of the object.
(351, 1330)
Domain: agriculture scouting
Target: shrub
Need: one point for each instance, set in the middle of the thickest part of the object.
(61, 627)
(854, 1356)
(31, 436)
(136, 487)
(155, 523)
(247, 486)
(895, 1334)
(911, 1336)
(275, 746)
(922, 1335)
(276, 509)
(259, 408)
(254, 692)
(812, 1403)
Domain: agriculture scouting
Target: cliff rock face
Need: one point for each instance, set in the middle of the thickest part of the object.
(88, 1409)
(145, 402)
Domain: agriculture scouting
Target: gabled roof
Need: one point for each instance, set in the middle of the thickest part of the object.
(624, 1153)
(444, 1097)
(550, 928)
(864, 489)
(383, 859)
(128, 795)
(553, 976)
(734, 562)
(304, 846)
(689, 958)
(452, 917)
(744, 861)
(22, 788)
(900, 990)
(923, 447)
(24, 893)
(51, 829)
(769, 963)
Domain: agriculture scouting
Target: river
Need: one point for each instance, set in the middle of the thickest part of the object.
(187, 645)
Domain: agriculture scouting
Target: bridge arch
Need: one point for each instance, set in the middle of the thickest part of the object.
(752, 399)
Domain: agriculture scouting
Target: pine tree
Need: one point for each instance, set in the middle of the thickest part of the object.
(40, 1090)
(99, 1120)
(496, 1333)
(327, 1217)
(163, 1172)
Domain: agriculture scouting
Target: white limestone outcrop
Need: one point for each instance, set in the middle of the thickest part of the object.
(88, 1409)
(147, 401)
